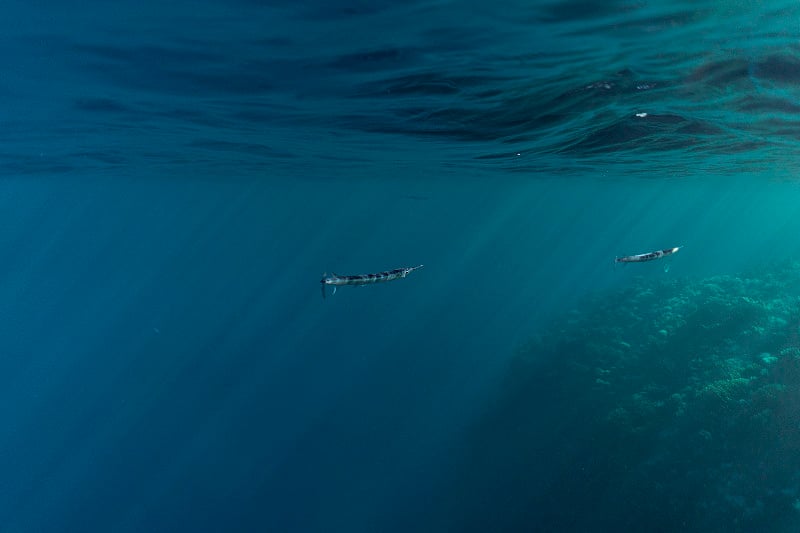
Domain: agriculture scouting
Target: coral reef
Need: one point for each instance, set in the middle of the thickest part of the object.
(678, 404)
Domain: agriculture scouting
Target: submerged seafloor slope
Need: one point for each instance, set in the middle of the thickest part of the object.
(665, 406)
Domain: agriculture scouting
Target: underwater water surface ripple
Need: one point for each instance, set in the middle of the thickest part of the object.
(522, 87)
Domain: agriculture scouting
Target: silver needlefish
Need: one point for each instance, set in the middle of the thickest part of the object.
(365, 279)
(641, 258)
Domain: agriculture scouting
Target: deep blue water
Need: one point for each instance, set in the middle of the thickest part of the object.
(176, 177)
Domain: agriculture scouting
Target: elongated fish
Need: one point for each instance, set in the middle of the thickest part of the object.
(365, 279)
(641, 258)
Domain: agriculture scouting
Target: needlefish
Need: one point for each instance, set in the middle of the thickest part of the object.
(365, 279)
(641, 258)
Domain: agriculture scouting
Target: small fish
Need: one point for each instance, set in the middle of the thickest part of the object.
(365, 279)
(641, 258)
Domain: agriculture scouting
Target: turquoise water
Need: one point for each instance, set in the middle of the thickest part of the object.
(177, 178)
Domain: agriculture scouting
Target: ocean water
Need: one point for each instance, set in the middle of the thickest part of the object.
(177, 177)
